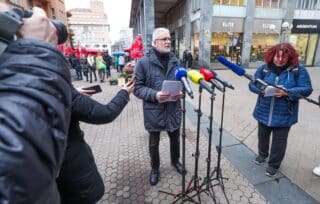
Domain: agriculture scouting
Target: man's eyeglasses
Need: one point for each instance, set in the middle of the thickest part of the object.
(164, 39)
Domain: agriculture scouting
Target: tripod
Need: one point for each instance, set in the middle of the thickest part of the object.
(207, 180)
(217, 170)
(195, 178)
(182, 195)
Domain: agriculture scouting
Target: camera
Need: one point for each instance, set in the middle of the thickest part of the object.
(11, 21)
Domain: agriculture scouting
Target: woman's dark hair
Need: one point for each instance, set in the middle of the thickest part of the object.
(287, 49)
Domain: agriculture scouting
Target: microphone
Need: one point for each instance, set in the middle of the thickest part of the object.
(205, 65)
(181, 75)
(235, 68)
(224, 83)
(242, 72)
(209, 77)
(197, 78)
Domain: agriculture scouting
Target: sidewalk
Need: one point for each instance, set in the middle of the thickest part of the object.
(303, 143)
(121, 153)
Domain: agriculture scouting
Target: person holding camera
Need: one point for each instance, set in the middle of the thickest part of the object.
(278, 112)
(79, 180)
(35, 111)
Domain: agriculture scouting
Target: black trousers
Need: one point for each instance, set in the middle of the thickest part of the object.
(92, 71)
(79, 181)
(278, 144)
(154, 138)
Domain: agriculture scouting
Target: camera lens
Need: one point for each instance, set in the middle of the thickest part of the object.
(62, 32)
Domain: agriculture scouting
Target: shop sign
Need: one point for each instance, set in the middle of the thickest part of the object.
(266, 26)
(227, 25)
(307, 14)
(305, 26)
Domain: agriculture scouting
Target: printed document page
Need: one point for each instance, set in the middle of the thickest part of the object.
(172, 87)
(270, 91)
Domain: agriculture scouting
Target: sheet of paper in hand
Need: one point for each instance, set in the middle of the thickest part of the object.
(172, 87)
(271, 91)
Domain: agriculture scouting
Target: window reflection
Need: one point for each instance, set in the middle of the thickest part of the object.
(269, 3)
(229, 2)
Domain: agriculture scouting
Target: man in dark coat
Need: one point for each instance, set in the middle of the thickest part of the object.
(79, 181)
(35, 103)
(151, 70)
(189, 59)
(75, 64)
(108, 60)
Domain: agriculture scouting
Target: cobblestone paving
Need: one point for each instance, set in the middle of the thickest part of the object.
(121, 154)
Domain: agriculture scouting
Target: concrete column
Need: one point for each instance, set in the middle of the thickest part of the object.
(187, 24)
(176, 39)
(285, 32)
(141, 25)
(316, 57)
(247, 35)
(205, 30)
(148, 22)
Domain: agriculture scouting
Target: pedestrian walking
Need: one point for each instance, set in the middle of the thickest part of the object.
(92, 67)
(121, 62)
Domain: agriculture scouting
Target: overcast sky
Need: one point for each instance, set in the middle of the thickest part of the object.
(118, 12)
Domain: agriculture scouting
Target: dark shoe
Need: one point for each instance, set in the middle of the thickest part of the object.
(179, 168)
(260, 160)
(271, 171)
(154, 176)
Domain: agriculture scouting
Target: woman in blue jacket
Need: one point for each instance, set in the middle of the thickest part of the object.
(277, 113)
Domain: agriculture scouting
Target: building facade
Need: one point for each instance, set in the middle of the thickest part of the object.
(241, 30)
(90, 26)
(54, 9)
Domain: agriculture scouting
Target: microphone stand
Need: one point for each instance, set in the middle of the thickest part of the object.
(207, 180)
(217, 170)
(195, 178)
(295, 94)
(182, 195)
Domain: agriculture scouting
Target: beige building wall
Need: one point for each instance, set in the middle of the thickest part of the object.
(90, 26)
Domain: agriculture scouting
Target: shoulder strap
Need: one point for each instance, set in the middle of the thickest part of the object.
(265, 71)
(295, 72)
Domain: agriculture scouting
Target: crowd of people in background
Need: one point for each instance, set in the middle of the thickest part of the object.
(89, 65)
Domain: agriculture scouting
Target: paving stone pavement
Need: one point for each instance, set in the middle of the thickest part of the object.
(302, 153)
(121, 153)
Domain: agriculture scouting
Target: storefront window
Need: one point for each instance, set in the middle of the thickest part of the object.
(195, 46)
(308, 4)
(261, 42)
(311, 49)
(226, 44)
(305, 45)
(269, 3)
(229, 2)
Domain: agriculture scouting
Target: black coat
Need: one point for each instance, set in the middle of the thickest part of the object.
(79, 180)
(35, 100)
(150, 75)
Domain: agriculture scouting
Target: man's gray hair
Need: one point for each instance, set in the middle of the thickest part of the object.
(156, 32)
